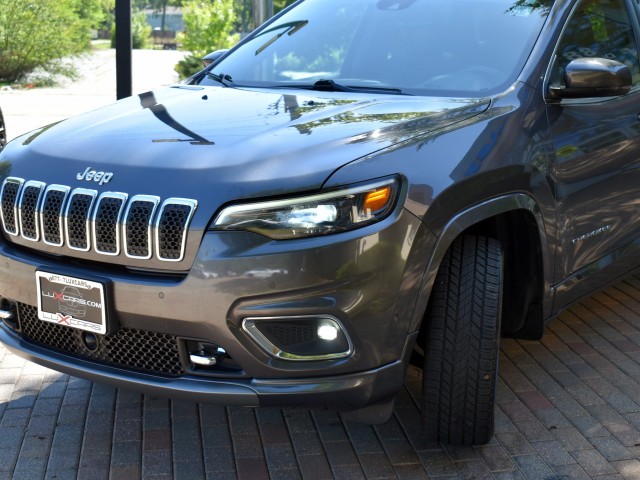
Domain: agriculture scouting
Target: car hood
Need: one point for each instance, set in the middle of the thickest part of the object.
(224, 144)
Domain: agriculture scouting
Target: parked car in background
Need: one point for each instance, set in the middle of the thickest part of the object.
(353, 185)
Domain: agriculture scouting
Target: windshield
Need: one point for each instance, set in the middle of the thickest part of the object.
(441, 47)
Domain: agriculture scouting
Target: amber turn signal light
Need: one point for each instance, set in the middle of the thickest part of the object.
(377, 199)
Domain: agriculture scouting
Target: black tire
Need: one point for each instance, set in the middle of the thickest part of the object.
(462, 343)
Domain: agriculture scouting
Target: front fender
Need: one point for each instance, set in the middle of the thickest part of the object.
(473, 216)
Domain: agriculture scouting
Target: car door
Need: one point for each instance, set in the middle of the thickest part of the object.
(597, 155)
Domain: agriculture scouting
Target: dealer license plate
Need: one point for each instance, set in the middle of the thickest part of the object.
(70, 301)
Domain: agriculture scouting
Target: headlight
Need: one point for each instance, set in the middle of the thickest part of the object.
(320, 214)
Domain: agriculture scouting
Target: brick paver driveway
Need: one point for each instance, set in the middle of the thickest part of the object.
(568, 407)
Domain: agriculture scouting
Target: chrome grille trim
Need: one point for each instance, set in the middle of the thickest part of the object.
(166, 234)
(28, 208)
(76, 219)
(110, 224)
(139, 216)
(51, 214)
(9, 196)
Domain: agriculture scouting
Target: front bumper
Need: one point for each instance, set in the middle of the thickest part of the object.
(368, 279)
(343, 392)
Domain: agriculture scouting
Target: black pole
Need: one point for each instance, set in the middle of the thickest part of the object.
(124, 46)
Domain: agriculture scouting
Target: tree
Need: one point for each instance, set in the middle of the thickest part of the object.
(40, 33)
(245, 12)
(281, 4)
(209, 25)
(93, 14)
(244, 15)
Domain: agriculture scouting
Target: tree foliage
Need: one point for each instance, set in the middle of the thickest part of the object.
(40, 33)
(93, 14)
(280, 4)
(209, 25)
(244, 9)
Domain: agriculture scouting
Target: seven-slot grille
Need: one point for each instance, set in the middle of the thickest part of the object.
(109, 224)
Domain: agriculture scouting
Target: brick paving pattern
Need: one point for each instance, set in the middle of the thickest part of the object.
(568, 407)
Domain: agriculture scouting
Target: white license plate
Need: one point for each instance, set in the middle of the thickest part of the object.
(72, 302)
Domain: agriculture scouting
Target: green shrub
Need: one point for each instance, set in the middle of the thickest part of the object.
(188, 66)
(39, 33)
(209, 26)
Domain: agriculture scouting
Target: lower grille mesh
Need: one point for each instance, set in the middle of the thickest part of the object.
(141, 350)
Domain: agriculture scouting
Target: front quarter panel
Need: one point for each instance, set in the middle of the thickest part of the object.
(494, 162)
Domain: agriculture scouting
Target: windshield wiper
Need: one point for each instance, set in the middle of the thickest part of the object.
(332, 86)
(221, 78)
(290, 29)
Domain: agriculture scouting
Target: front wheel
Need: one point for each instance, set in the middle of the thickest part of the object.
(461, 344)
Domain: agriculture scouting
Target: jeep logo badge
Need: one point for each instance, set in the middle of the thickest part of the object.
(98, 177)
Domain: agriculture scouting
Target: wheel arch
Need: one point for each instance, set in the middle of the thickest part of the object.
(517, 222)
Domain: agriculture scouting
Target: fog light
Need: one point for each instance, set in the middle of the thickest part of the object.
(327, 332)
(309, 337)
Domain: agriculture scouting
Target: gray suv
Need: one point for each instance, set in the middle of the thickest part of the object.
(353, 186)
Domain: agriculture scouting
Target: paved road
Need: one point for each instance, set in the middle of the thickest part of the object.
(568, 406)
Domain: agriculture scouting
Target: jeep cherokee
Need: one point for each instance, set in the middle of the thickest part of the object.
(352, 185)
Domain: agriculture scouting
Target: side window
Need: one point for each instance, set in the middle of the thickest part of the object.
(598, 28)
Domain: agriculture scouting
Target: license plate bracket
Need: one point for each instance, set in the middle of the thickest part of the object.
(72, 302)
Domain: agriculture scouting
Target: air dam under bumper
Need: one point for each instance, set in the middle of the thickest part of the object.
(343, 392)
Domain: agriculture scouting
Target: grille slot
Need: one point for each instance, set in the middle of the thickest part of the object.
(141, 350)
(56, 215)
(106, 223)
(171, 230)
(137, 226)
(9, 211)
(28, 211)
(51, 214)
(77, 218)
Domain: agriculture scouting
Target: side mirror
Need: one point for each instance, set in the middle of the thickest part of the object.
(593, 77)
(213, 57)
